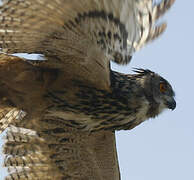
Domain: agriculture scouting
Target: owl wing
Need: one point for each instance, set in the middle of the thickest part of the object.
(63, 153)
(8, 115)
(80, 38)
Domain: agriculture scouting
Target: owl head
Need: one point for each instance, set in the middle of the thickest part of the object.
(157, 90)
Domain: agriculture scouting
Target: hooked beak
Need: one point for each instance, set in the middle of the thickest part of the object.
(171, 104)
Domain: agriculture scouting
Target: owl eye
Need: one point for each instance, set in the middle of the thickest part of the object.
(162, 87)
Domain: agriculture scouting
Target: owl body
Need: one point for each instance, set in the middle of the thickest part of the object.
(67, 146)
(127, 104)
(61, 113)
(122, 107)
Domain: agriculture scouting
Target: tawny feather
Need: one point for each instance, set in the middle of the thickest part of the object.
(64, 28)
(80, 155)
(73, 92)
(8, 115)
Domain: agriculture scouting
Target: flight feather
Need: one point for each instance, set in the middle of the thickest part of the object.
(60, 28)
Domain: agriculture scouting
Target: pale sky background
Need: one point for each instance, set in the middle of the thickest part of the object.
(163, 148)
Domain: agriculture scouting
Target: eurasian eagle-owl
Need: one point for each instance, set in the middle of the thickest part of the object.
(72, 97)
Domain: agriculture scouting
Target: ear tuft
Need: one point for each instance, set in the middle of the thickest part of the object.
(143, 72)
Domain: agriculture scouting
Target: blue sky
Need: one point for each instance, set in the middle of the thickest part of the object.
(163, 148)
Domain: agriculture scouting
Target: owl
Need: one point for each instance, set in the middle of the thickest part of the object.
(61, 113)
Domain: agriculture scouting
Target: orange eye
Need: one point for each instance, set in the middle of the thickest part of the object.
(162, 87)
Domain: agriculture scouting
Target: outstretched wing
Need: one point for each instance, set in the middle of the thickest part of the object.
(62, 153)
(38, 148)
(81, 36)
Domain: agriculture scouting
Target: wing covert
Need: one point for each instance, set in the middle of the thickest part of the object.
(60, 153)
(80, 38)
(64, 29)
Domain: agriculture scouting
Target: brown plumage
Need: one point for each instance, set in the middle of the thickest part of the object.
(61, 113)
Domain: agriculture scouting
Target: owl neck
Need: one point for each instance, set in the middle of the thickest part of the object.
(132, 88)
(123, 108)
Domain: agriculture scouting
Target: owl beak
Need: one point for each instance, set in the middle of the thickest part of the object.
(171, 104)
